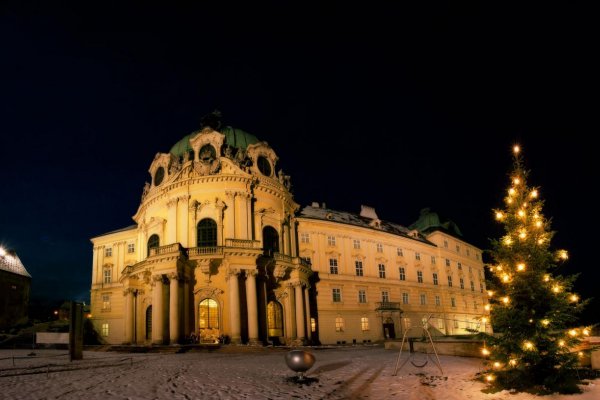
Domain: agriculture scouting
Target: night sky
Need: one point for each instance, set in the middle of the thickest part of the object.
(393, 107)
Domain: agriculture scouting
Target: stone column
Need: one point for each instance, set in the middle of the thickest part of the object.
(291, 314)
(193, 210)
(172, 221)
(249, 216)
(307, 309)
(220, 205)
(240, 220)
(157, 310)
(230, 216)
(174, 309)
(294, 237)
(234, 306)
(183, 220)
(251, 301)
(129, 304)
(285, 239)
(299, 311)
(186, 306)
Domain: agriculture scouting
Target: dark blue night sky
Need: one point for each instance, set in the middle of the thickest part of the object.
(397, 108)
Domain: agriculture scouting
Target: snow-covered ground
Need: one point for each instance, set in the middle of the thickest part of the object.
(243, 373)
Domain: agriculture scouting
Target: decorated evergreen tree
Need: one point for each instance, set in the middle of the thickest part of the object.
(532, 308)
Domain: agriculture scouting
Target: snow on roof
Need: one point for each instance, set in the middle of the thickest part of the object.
(357, 220)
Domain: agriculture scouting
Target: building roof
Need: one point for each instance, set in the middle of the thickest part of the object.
(127, 228)
(348, 218)
(429, 222)
(233, 137)
(11, 262)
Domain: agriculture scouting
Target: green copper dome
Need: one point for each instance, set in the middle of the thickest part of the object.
(233, 137)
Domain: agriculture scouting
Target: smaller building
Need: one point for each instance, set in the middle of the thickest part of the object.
(15, 283)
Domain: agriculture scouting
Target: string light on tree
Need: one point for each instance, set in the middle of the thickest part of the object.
(532, 311)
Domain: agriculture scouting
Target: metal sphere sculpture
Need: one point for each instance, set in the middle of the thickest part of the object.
(299, 361)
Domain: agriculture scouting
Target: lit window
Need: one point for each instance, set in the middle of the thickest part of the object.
(402, 272)
(359, 267)
(472, 286)
(356, 243)
(105, 302)
(459, 265)
(107, 275)
(438, 301)
(417, 256)
(313, 325)
(104, 329)
(423, 299)
(435, 278)
(462, 283)
(453, 302)
(379, 248)
(404, 298)
(385, 296)
(381, 270)
(362, 296)
(449, 281)
(304, 238)
(339, 324)
(447, 262)
(331, 240)
(333, 266)
(420, 276)
(108, 252)
(364, 324)
(131, 248)
(433, 259)
(337, 295)
(399, 252)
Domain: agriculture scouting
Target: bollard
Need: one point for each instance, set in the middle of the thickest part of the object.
(299, 361)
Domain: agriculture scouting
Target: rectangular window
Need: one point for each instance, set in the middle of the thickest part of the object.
(108, 252)
(107, 275)
(364, 323)
(445, 243)
(304, 238)
(435, 278)
(385, 296)
(313, 325)
(337, 295)
(379, 248)
(453, 302)
(359, 267)
(447, 262)
(420, 276)
(399, 252)
(456, 324)
(339, 324)
(459, 265)
(131, 247)
(480, 287)
(423, 299)
(356, 243)
(440, 323)
(105, 329)
(468, 252)
(331, 240)
(402, 272)
(462, 283)
(457, 248)
(465, 303)
(362, 296)
(475, 305)
(477, 256)
(333, 266)
(404, 298)
(381, 270)
(472, 286)
(438, 301)
(417, 256)
(105, 302)
(470, 270)
(433, 259)
(449, 281)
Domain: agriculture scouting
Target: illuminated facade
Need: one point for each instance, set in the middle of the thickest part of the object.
(15, 283)
(220, 249)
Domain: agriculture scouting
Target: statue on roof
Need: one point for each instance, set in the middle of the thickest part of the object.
(212, 120)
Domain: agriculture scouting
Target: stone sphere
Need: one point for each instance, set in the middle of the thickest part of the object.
(299, 360)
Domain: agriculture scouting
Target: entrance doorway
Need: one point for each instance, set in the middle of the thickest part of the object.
(388, 329)
(209, 321)
(274, 321)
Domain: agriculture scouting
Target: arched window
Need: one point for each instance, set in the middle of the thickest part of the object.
(207, 233)
(149, 323)
(275, 318)
(270, 240)
(209, 314)
(153, 242)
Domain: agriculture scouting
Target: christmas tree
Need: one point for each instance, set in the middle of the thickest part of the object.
(532, 308)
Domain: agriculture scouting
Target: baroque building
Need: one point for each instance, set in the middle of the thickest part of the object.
(220, 250)
(15, 283)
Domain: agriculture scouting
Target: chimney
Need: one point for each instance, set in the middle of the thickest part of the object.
(368, 212)
(323, 205)
(315, 204)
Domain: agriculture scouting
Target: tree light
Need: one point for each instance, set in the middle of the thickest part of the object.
(485, 351)
(545, 322)
(507, 241)
(516, 181)
(546, 278)
(580, 354)
(528, 345)
(561, 343)
(505, 299)
(489, 378)
(511, 191)
(505, 278)
(516, 149)
(499, 215)
(556, 288)
(538, 224)
(497, 364)
(513, 362)
(573, 332)
(487, 307)
(523, 234)
(521, 213)
(490, 293)
(574, 298)
(586, 332)
(534, 193)
(563, 255)
(484, 319)
(520, 267)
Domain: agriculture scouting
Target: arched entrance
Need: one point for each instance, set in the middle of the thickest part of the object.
(270, 241)
(274, 321)
(149, 323)
(208, 321)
